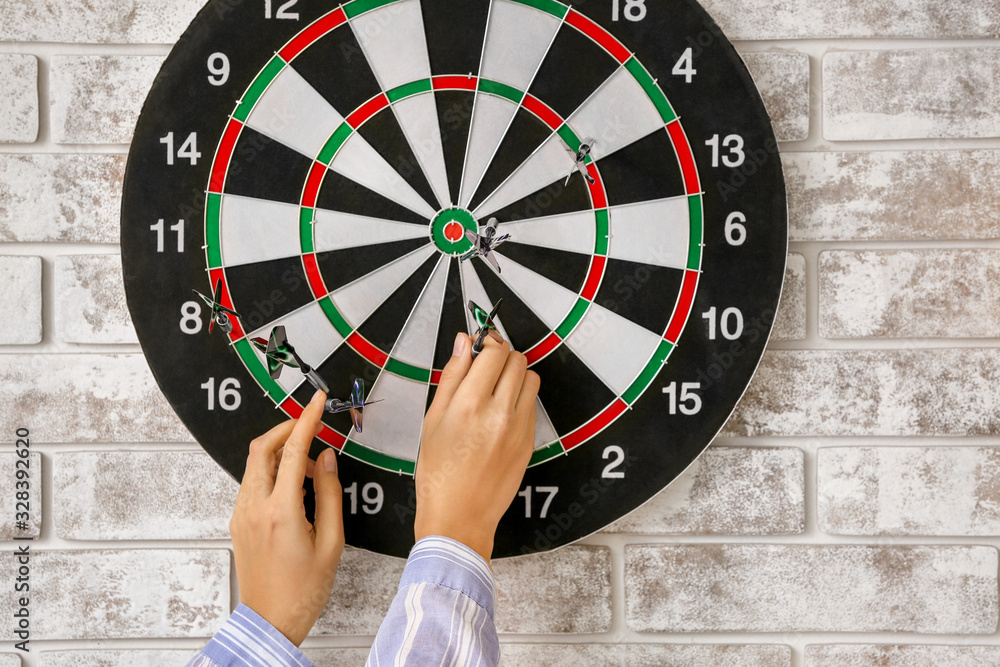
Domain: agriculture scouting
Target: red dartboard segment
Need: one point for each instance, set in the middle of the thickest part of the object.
(599, 35)
(597, 265)
(684, 303)
(331, 437)
(367, 110)
(541, 350)
(543, 111)
(311, 34)
(691, 182)
(455, 82)
(311, 192)
(221, 166)
(595, 425)
(597, 194)
(367, 350)
(435, 377)
(316, 283)
(215, 276)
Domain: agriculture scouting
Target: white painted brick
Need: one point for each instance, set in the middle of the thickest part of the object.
(872, 392)
(86, 398)
(646, 655)
(21, 300)
(90, 300)
(365, 587)
(912, 655)
(8, 471)
(97, 99)
(909, 490)
(784, 588)
(10, 660)
(728, 491)
(141, 496)
(913, 293)
(913, 94)
(96, 21)
(563, 591)
(790, 322)
(60, 198)
(116, 658)
(893, 195)
(142, 593)
(783, 80)
(802, 19)
(18, 99)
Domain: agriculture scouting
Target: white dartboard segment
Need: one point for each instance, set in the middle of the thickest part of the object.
(473, 289)
(616, 115)
(416, 342)
(362, 297)
(602, 331)
(394, 43)
(335, 230)
(258, 230)
(418, 117)
(545, 433)
(312, 334)
(294, 113)
(517, 40)
(655, 232)
(490, 119)
(393, 426)
(572, 232)
(358, 161)
(550, 301)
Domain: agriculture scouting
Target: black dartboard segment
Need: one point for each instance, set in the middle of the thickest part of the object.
(313, 159)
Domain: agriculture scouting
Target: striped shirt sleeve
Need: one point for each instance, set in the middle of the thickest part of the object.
(246, 639)
(443, 612)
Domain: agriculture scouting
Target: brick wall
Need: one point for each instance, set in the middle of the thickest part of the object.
(847, 516)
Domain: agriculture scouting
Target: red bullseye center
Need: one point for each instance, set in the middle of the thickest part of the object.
(454, 231)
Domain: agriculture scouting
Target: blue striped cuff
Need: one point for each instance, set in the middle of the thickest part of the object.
(444, 561)
(246, 639)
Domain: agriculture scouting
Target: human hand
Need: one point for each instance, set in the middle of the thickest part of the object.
(476, 443)
(284, 564)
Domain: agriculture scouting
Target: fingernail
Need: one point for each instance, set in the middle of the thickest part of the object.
(459, 345)
(330, 462)
(317, 397)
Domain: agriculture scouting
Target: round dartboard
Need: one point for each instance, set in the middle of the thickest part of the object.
(317, 166)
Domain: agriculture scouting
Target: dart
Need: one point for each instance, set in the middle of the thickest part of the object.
(355, 404)
(280, 353)
(484, 244)
(487, 327)
(220, 314)
(579, 157)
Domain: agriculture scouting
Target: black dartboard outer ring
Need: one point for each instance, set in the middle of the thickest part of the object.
(313, 155)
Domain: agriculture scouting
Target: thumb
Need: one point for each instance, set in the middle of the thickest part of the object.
(329, 523)
(451, 377)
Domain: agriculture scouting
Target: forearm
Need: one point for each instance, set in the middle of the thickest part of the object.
(444, 609)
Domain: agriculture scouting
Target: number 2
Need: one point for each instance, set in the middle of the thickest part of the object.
(635, 10)
(618, 455)
(283, 12)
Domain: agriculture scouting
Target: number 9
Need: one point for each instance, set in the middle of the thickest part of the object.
(218, 66)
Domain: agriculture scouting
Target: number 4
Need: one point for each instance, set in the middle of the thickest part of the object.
(685, 66)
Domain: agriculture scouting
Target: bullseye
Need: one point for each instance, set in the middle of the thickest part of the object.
(448, 229)
(454, 231)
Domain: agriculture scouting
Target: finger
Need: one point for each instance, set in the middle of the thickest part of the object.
(511, 378)
(526, 399)
(329, 522)
(293, 461)
(262, 459)
(484, 373)
(451, 377)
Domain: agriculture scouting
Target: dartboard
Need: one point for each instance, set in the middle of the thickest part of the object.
(318, 166)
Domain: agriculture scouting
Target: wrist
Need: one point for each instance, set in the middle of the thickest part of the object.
(478, 541)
